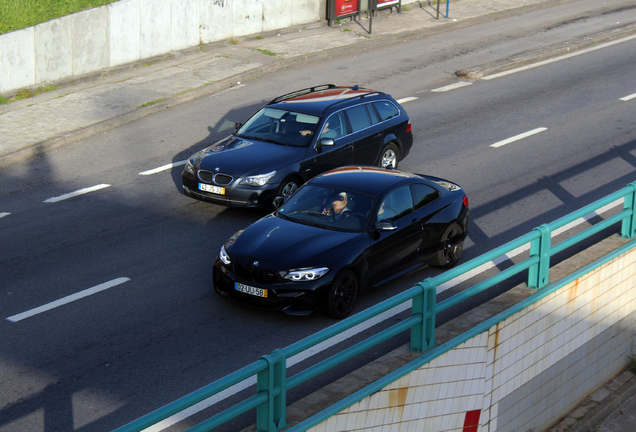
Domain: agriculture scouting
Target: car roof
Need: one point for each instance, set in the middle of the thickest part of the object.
(316, 100)
(369, 180)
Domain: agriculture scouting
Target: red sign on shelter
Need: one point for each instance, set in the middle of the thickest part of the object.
(347, 7)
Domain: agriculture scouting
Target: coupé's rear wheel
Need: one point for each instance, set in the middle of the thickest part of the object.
(451, 246)
(343, 294)
(390, 156)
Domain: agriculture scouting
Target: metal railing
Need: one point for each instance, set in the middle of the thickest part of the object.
(270, 370)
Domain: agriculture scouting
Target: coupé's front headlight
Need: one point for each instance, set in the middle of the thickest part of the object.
(309, 274)
(189, 166)
(257, 180)
(223, 256)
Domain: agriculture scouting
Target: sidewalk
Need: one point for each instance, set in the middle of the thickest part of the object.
(102, 101)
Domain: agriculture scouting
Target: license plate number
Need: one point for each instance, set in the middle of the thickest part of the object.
(258, 292)
(212, 189)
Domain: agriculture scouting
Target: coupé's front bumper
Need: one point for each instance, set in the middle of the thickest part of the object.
(293, 298)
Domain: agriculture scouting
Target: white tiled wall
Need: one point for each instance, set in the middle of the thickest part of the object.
(523, 373)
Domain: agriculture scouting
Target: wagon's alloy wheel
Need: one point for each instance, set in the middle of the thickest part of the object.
(343, 294)
(451, 247)
(390, 156)
(288, 187)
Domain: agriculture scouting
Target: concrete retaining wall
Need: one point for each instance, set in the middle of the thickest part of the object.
(523, 373)
(132, 30)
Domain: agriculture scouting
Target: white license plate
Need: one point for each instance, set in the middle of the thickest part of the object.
(258, 292)
(212, 189)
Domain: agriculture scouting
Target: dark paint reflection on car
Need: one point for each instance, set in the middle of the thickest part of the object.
(296, 137)
(343, 232)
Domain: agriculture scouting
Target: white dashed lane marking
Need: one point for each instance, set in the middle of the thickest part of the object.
(518, 137)
(76, 193)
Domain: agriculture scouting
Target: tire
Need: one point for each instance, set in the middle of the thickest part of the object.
(390, 156)
(288, 186)
(343, 294)
(451, 247)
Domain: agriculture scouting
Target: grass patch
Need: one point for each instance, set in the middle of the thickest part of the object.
(233, 41)
(266, 52)
(20, 14)
(28, 93)
(632, 364)
(152, 103)
(259, 37)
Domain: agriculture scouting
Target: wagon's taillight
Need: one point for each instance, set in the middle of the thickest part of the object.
(408, 127)
(466, 200)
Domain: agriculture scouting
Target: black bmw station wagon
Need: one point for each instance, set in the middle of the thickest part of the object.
(294, 138)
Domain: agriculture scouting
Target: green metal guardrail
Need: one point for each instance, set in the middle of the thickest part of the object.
(270, 370)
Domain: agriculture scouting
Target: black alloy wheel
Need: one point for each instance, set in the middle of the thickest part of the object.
(451, 247)
(343, 294)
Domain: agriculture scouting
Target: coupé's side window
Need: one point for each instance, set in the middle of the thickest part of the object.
(423, 194)
(386, 109)
(396, 204)
(358, 117)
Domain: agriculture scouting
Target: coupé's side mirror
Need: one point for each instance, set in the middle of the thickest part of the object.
(278, 201)
(385, 225)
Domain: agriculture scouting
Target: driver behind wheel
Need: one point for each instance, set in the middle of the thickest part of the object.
(338, 208)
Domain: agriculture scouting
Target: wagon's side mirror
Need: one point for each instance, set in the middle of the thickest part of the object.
(237, 125)
(325, 142)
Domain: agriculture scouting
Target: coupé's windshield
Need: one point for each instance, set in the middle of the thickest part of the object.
(280, 127)
(327, 207)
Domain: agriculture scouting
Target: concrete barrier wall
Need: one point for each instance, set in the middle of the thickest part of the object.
(132, 30)
(523, 373)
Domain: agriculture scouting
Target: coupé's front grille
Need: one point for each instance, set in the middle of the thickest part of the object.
(255, 274)
(205, 176)
(222, 179)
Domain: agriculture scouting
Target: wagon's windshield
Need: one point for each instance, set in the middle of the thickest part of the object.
(280, 127)
(327, 207)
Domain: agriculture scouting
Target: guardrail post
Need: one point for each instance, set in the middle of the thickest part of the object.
(423, 335)
(270, 416)
(628, 226)
(538, 274)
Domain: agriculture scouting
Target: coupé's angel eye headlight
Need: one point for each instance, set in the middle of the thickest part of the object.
(257, 180)
(189, 167)
(223, 256)
(306, 274)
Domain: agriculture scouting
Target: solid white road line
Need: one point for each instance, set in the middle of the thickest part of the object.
(626, 98)
(556, 59)
(452, 86)
(518, 137)
(76, 193)
(163, 168)
(68, 299)
(3, 214)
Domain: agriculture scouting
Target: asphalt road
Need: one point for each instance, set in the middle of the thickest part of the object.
(528, 148)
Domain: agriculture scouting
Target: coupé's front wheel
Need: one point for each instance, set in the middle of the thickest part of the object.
(343, 294)
(451, 246)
